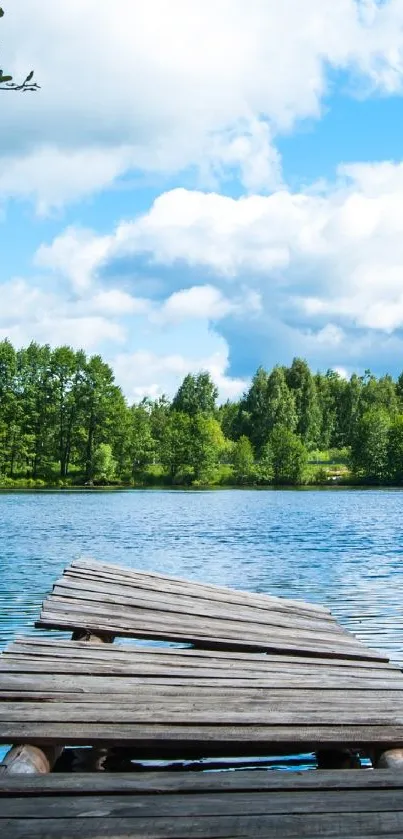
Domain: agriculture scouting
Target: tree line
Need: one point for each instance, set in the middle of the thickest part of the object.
(63, 420)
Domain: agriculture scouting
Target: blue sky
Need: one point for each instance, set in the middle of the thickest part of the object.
(205, 185)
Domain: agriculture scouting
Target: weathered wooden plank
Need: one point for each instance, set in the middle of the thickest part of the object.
(199, 782)
(83, 566)
(161, 663)
(168, 739)
(202, 806)
(168, 602)
(46, 646)
(169, 667)
(70, 615)
(236, 678)
(50, 683)
(203, 677)
(23, 682)
(81, 670)
(310, 826)
(312, 698)
(180, 712)
(143, 618)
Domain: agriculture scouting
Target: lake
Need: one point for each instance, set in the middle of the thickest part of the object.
(339, 547)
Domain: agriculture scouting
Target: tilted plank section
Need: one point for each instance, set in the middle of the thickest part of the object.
(106, 598)
(243, 804)
(177, 702)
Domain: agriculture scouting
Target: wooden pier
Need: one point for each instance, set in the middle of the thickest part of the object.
(259, 675)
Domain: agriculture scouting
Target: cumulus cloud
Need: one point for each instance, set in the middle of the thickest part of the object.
(74, 255)
(205, 302)
(338, 253)
(32, 312)
(319, 272)
(150, 374)
(166, 85)
(114, 301)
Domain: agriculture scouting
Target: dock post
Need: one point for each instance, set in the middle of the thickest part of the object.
(392, 759)
(30, 760)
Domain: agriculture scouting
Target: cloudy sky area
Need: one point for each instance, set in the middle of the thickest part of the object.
(209, 184)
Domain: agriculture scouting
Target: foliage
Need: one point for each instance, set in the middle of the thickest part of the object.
(176, 443)
(309, 415)
(395, 450)
(196, 395)
(206, 445)
(243, 461)
(104, 464)
(369, 451)
(64, 421)
(289, 456)
(7, 83)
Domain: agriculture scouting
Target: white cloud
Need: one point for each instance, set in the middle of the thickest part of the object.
(204, 302)
(148, 374)
(317, 274)
(31, 312)
(117, 302)
(323, 268)
(51, 176)
(164, 85)
(197, 302)
(338, 253)
(81, 333)
(74, 255)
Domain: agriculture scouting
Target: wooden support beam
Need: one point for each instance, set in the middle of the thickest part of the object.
(392, 759)
(30, 760)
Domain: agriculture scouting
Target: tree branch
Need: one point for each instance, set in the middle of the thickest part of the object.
(7, 83)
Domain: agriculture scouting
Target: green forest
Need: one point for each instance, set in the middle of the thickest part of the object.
(64, 422)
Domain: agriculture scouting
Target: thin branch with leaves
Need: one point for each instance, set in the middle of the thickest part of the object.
(7, 82)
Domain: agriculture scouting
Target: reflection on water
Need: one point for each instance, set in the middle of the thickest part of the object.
(342, 548)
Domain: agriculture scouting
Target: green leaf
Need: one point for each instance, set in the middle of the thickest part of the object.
(5, 79)
(1, 13)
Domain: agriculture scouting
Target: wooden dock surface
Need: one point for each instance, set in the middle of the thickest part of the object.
(256, 675)
(314, 805)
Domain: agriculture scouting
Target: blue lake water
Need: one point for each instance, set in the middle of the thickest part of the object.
(340, 547)
(343, 548)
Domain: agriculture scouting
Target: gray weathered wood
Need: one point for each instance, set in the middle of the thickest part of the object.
(213, 804)
(183, 604)
(219, 740)
(278, 826)
(46, 646)
(116, 572)
(199, 782)
(130, 616)
(265, 674)
(68, 614)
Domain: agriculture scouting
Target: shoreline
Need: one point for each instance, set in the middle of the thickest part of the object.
(205, 488)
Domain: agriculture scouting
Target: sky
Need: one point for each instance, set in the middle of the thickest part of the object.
(204, 184)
